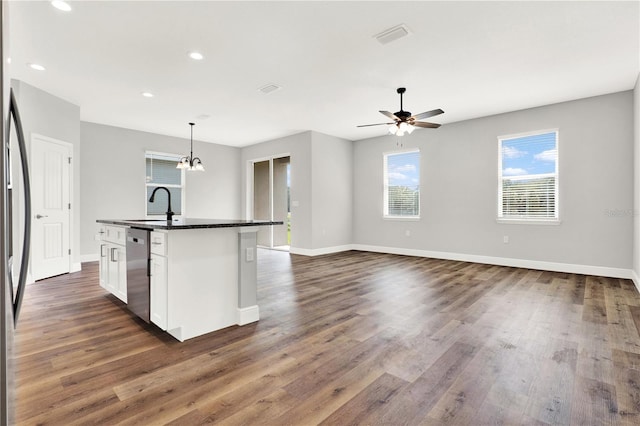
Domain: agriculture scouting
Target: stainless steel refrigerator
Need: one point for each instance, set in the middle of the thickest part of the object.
(14, 250)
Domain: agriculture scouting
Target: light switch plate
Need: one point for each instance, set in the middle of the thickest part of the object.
(249, 255)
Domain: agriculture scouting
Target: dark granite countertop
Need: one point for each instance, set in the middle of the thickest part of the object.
(186, 223)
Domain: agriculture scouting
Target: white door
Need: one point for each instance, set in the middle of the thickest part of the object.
(50, 169)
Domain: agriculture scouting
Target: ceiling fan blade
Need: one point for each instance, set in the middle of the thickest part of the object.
(425, 124)
(379, 124)
(426, 114)
(390, 115)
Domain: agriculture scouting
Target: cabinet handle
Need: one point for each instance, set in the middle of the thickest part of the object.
(102, 254)
(114, 251)
(156, 244)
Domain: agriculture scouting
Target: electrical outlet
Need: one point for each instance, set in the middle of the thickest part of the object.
(249, 255)
(407, 233)
(505, 239)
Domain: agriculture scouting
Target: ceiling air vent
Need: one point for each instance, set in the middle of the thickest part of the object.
(392, 34)
(269, 88)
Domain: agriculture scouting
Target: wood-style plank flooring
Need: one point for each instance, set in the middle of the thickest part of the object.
(350, 338)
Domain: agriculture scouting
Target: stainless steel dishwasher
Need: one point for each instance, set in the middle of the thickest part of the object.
(138, 290)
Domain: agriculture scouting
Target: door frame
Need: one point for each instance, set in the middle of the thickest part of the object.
(69, 147)
(249, 213)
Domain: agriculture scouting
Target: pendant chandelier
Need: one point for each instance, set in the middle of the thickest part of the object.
(190, 162)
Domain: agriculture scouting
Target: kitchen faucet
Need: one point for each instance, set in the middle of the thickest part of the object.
(169, 212)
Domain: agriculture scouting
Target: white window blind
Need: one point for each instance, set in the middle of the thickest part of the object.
(161, 171)
(402, 184)
(528, 177)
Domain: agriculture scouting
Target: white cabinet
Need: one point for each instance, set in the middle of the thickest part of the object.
(113, 260)
(117, 275)
(159, 290)
(159, 286)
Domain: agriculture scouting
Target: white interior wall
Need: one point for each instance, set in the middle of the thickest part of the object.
(459, 190)
(298, 147)
(332, 192)
(636, 183)
(113, 177)
(48, 115)
(599, 145)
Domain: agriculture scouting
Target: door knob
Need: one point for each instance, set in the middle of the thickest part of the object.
(39, 216)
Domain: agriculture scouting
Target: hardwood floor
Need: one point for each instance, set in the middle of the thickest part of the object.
(350, 338)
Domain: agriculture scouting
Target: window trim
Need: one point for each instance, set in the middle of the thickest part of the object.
(385, 186)
(527, 220)
(182, 179)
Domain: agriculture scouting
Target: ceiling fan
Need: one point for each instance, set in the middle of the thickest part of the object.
(403, 121)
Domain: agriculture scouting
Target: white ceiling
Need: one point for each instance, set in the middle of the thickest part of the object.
(471, 59)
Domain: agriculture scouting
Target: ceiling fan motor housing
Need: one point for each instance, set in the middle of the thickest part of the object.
(403, 115)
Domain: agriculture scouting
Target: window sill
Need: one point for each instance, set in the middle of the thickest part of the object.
(529, 221)
(402, 218)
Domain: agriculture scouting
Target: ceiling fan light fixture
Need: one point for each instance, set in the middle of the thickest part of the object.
(404, 121)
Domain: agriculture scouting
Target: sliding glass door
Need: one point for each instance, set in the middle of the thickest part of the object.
(271, 200)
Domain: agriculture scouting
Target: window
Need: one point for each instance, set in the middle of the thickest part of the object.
(402, 184)
(161, 171)
(528, 177)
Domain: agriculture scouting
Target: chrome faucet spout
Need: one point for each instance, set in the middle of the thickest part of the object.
(169, 211)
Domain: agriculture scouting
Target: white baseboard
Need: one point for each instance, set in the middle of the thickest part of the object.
(248, 315)
(76, 267)
(320, 251)
(636, 279)
(94, 257)
(602, 271)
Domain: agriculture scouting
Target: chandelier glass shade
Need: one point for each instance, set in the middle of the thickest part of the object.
(190, 162)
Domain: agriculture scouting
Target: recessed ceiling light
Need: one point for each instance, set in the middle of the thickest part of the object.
(196, 55)
(8, 60)
(61, 5)
(147, 94)
(37, 67)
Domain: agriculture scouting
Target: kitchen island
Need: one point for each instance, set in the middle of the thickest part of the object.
(202, 273)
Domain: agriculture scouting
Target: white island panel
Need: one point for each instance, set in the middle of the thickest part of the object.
(202, 281)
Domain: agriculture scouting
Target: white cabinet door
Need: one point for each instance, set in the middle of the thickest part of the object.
(121, 290)
(159, 289)
(104, 265)
(117, 271)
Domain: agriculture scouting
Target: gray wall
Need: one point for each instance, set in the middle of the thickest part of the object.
(636, 182)
(48, 115)
(459, 187)
(280, 199)
(113, 177)
(321, 187)
(332, 191)
(261, 202)
(298, 147)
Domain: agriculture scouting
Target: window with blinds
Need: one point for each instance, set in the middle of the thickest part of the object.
(528, 177)
(402, 184)
(161, 171)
